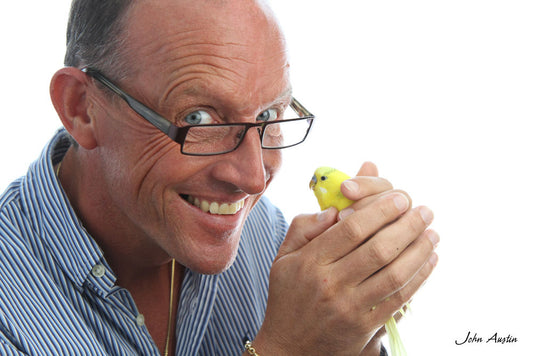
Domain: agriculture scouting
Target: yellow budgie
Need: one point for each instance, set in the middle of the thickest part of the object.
(326, 184)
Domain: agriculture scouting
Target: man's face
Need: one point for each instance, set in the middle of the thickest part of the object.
(221, 62)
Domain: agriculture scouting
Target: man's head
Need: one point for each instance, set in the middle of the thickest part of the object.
(216, 61)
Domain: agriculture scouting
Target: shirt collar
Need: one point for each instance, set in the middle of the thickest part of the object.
(73, 249)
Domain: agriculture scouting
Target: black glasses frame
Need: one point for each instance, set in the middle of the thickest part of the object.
(179, 133)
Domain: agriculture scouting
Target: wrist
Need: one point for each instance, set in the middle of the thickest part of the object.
(373, 348)
(249, 348)
(264, 345)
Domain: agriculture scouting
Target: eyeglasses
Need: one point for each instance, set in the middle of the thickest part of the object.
(216, 139)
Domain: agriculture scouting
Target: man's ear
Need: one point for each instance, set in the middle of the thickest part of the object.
(68, 90)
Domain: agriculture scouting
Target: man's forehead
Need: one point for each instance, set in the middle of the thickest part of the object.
(235, 39)
(159, 26)
(168, 14)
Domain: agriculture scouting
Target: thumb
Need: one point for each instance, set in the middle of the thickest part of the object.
(305, 228)
(368, 169)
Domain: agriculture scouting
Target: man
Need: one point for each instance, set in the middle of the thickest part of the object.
(141, 229)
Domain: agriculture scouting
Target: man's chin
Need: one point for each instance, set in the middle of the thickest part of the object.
(214, 258)
(213, 266)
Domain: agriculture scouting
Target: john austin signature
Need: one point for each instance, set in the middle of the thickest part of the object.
(495, 338)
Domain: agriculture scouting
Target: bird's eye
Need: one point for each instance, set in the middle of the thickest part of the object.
(323, 178)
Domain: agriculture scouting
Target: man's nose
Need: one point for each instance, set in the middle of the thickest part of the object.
(252, 163)
(245, 167)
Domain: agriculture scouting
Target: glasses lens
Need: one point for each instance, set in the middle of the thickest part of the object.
(285, 133)
(217, 139)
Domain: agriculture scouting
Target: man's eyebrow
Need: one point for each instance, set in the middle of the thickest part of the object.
(284, 96)
(286, 93)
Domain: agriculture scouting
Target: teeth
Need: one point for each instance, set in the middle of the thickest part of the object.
(213, 208)
(217, 208)
(224, 209)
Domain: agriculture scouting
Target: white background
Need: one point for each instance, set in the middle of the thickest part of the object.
(438, 94)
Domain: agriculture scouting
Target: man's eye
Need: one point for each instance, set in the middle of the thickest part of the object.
(268, 115)
(198, 118)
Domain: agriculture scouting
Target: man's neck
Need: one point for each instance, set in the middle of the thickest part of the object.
(130, 252)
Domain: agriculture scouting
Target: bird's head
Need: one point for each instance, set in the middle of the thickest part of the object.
(320, 177)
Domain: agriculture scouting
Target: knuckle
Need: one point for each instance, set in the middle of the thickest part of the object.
(300, 221)
(414, 224)
(392, 205)
(386, 210)
(344, 308)
(404, 295)
(386, 183)
(352, 230)
(396, 280)
(380, 253)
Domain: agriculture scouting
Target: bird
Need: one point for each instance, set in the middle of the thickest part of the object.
(326, 185)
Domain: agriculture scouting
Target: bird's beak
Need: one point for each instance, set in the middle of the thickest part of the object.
(312, 183)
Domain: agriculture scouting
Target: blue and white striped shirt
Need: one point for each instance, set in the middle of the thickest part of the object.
(58, 294)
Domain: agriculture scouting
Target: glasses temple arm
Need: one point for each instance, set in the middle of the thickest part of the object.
(299, 108)
(154, 118)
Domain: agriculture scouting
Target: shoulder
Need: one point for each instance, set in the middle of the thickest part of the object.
(10, 197)
(13, 219)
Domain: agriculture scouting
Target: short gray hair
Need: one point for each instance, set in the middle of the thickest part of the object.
(95, 35)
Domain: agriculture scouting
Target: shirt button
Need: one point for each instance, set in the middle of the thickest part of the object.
(140, 320)
(98, 271)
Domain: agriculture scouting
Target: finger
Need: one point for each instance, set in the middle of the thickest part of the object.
(385, 246)
(383, 310)
(415, 264)
(368, 169)
(304, 228)
(360, 187)
(345, 236)
(367, 200)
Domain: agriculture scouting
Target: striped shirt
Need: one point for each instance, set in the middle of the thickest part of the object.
(58, 295)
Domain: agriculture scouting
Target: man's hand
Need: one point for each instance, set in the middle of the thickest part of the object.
(338, 279)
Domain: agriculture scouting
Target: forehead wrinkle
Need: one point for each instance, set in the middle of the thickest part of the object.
(201, 72)
(217, 58)
(198, 40)
(180, 21)
(219, 66)
(194, 85)
(213, 64)
(231, 51)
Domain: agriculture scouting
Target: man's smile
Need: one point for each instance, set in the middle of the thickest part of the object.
(214, 207)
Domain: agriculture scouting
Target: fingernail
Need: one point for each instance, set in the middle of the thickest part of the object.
(401, 202)
(324, 214)
(434, 259)
(345, 213)
(426, 214)
(433, 237)
(351, 186)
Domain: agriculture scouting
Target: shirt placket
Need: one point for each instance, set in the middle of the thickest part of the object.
(119, 301)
